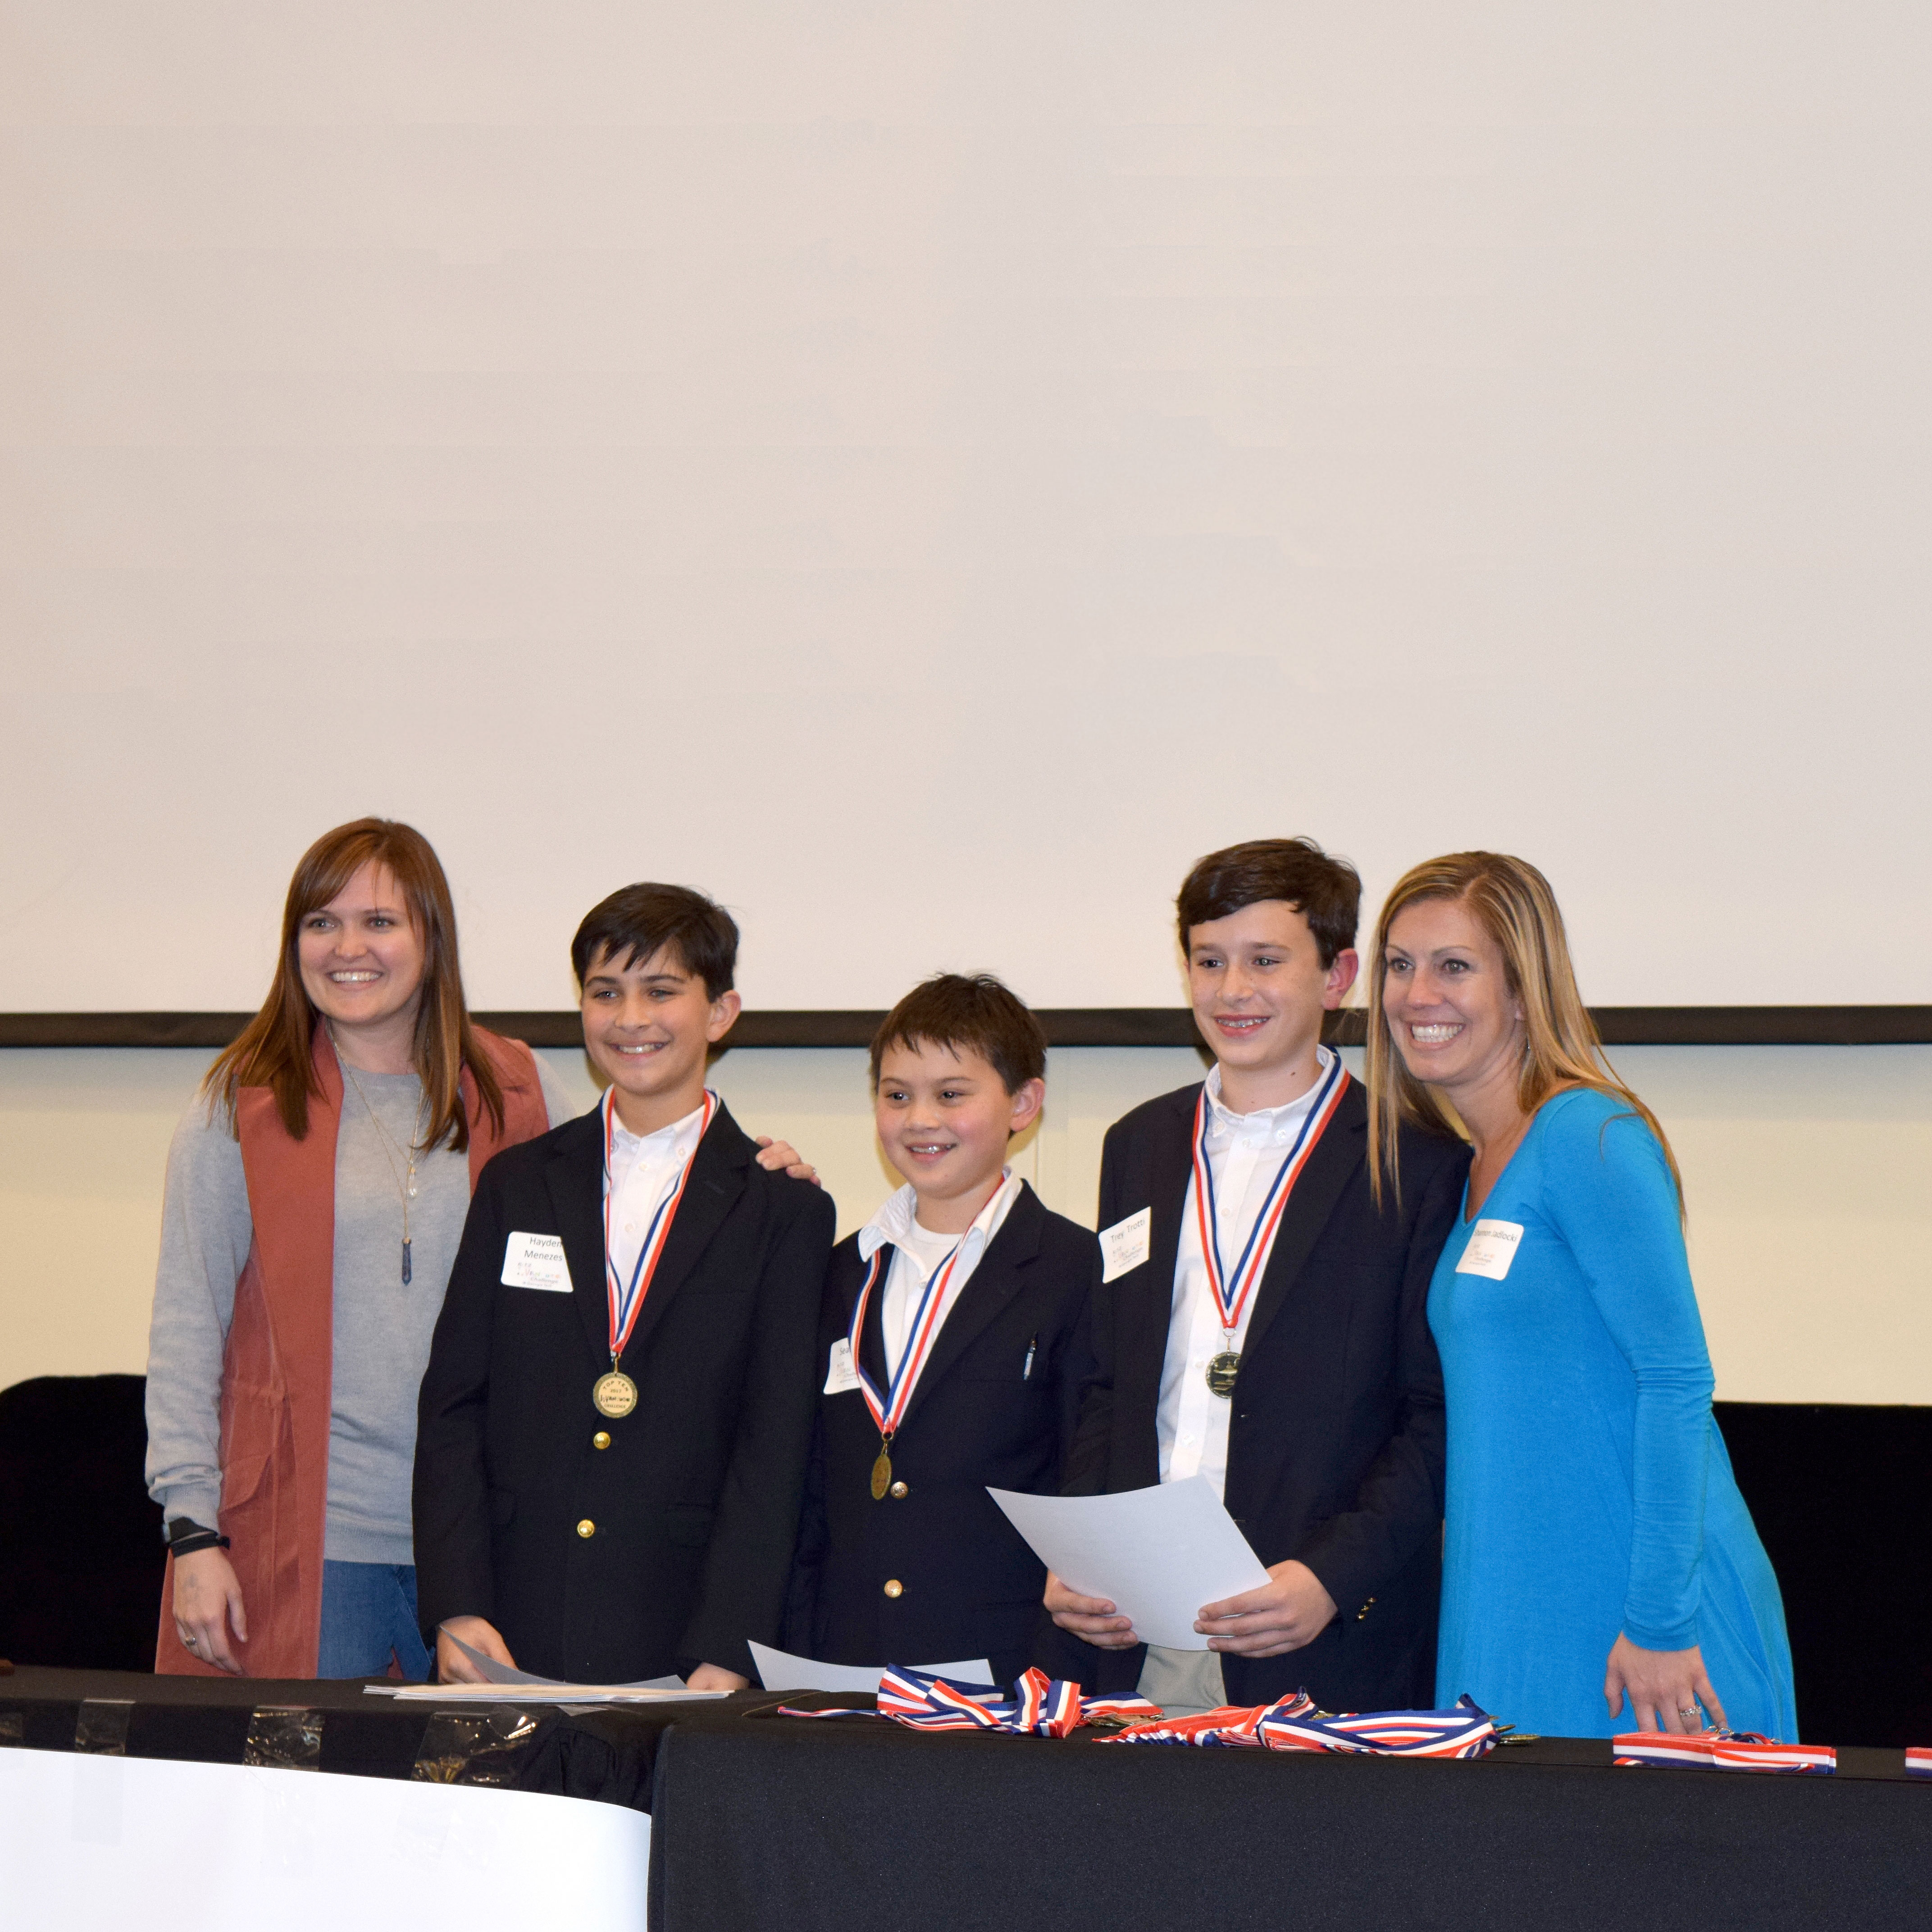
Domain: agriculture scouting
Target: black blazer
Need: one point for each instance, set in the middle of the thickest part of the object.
(996, 1406)
(1335, 1447)
(694, 1503)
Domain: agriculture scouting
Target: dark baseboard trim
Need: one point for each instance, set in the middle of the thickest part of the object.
(1066, 1026)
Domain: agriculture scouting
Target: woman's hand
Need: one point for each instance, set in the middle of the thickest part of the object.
(1092, 1618)
(773, 1155)
(208, 1601)
(452, 1666)
(1665, 1686)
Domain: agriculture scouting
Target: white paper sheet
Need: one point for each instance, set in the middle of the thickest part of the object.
(505, 1678)
(778, 1670)
(1158, 1554)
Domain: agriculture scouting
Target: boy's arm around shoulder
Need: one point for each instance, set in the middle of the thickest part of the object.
(451, 1486)
(1399, 1504)
(748, 1563)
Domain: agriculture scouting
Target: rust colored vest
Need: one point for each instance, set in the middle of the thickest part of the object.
(276, 1372)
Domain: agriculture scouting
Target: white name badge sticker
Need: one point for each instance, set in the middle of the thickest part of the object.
(840, 1378)
(536, 1261)
(1492, 1246)
(1125, 1244)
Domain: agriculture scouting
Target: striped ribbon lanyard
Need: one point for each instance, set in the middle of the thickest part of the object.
(1232, 1291)
(889, 1411)
(626, 1298)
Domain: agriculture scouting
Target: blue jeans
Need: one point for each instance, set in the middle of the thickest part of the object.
(368, 1613)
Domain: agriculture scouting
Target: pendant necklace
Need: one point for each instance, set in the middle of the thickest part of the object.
(406, 1183)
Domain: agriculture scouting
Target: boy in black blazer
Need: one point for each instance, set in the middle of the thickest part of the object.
(613, 1430)
(1265, 1322)
(955, 1347)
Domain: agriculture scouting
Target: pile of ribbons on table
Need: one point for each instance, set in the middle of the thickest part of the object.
(1040, 1707)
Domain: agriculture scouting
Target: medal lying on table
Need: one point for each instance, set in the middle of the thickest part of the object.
(889, 1411)
(615, 1394)
(1231, 1291)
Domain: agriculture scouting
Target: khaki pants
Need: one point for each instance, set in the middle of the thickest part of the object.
(1184, 1683)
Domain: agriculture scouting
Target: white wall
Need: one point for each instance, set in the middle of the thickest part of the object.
(1809, 1171)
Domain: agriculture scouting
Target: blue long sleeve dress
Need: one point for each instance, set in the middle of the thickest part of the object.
(1589, 1491)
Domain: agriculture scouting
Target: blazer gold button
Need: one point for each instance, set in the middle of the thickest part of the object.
(894, 1588)
(898, 1488)
(602, 1440)
(586, 1528)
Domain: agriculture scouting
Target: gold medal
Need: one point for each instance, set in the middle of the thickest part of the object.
(1222, 1372)
(614, 1394)
(882, 1475)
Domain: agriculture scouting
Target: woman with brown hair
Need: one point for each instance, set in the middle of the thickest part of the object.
(316, 1190)
(1596, 1548)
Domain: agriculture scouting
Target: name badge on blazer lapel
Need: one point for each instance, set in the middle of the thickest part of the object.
(536, 1261)
(1125, 1245)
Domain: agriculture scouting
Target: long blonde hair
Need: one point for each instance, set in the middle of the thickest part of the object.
(273, 1050)
(1512, 901)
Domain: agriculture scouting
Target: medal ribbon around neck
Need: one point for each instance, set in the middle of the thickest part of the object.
(1232, 1291)
(625, 1301)
(888, 1411)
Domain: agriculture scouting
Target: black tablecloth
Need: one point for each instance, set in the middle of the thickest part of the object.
(764, 1821)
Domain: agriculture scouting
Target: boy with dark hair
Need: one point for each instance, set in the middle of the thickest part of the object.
(955, 1349)
(1264, 1322)
(613, 1427)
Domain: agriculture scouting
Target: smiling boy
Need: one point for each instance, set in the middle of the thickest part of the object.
(955, 1349)
(1264, 1323)
(613, 1427)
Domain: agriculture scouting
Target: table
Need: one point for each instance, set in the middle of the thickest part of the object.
(760, 1820)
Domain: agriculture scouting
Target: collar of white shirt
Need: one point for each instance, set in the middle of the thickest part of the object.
(678, 1139)
(893, 1222)
(1278, 1124)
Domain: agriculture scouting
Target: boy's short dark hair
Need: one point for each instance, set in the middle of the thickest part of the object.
(971, 1010)
(638, 921)
(1326, 891)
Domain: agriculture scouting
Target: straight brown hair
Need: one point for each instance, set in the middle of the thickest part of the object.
(1513, 904)
(973, 1010)
(276, 1048)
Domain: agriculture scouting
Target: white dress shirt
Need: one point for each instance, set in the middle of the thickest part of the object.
(918, 1251)
(1245, 1152)
(644, 1169)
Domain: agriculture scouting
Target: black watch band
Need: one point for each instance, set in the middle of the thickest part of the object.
(185, 1536)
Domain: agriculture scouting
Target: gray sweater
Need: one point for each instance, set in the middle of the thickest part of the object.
(381, 1328)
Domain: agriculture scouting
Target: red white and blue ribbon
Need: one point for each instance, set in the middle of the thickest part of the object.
(1293, 1723)
(1231, 1290)
(1037, 1706)
(888, 1410)
(1722, 1750)
(625, 1298)
(1918, 1760)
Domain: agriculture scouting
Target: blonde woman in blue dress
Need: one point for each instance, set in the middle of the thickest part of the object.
(1601, 1572)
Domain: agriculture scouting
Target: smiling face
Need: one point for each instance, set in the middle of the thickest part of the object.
(361, 958)
(1446, 994)
(1259, 989)
(647, 1026)
(944, 1118)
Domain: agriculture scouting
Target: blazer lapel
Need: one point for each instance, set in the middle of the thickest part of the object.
(575, 1176)
(718, 1171)
(1336, 1159)
(1169, 1169)
(994, 1283)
